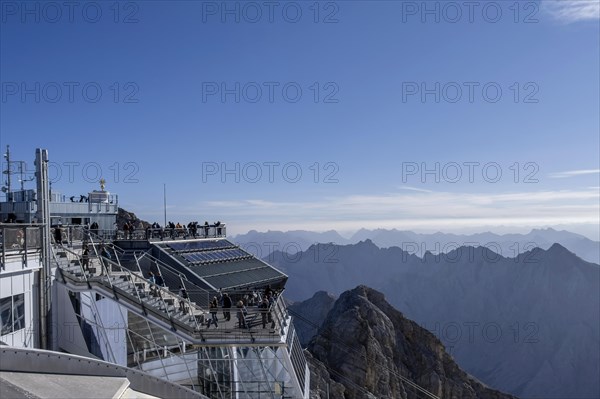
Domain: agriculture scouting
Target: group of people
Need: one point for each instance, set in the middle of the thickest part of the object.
(179, 230)
(128, 229)
(105, 257)
(171, 230)
(82, 198)
(263, 302)
(157, 282)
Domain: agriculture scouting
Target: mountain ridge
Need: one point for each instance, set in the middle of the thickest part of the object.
(539, 310)
(369, 349)
(419, 243)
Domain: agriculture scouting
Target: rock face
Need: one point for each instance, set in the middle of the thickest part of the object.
(321, 384)
(365, 347)
(130, 217)
(310, 314)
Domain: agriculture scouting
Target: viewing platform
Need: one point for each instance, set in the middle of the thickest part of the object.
(182, 316)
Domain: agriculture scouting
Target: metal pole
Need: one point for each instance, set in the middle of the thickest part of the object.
(165, 202)
(43, 216)
(22, 176)
(8, 172)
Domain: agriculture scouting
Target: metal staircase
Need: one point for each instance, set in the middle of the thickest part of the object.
(157, 304)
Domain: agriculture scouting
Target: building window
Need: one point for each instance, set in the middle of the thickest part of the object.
(12, 314)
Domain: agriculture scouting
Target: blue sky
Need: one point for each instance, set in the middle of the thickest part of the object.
(189, 90)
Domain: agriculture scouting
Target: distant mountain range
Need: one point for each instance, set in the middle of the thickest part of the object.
(365, 348)
(508, 245)
(527, 325)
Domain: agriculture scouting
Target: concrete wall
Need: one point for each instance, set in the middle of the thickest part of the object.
(19, 278)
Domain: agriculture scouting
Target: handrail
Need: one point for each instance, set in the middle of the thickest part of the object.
(161, 264)
(158, 288)
(102, 260)
(277, 308)
(131, 277)
(163, 233)
(134, 277)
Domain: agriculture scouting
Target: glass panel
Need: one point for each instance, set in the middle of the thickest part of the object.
(6, 315)
(19, 312)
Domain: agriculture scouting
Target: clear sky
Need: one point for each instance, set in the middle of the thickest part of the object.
(306, 115)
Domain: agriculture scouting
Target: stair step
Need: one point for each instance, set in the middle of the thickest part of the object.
(121, 284)
(154, 302)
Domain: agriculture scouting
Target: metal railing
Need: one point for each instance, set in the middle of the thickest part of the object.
(196, 305)
(19, 239)
(190, 316)
(111, 270)
(73, 233)
(164, 234)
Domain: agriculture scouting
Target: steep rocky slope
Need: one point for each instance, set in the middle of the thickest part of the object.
(365, 347)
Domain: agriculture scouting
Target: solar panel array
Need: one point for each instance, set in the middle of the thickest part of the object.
(200, 245)
(222, 264)
(215, 256)
(245, 278)
(235, 266)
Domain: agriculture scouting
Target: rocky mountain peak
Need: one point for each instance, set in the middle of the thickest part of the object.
(372, 350)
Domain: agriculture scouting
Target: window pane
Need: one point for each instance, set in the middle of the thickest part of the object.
(12, 314)
(6, 315)
(19, 312)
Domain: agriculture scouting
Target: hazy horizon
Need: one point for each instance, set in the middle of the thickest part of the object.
(586, 231)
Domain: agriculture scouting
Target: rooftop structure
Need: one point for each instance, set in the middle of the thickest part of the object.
(187, 307)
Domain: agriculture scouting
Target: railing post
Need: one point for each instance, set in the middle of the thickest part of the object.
(25, 244)
(3, 248)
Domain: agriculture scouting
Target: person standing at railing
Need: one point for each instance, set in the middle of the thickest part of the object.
(241, 314)
(271, 301)
(226, 307)
(159, 280)
(264, 311)
(126, 230)
(58, 235)
(183, 293)
(85, 258)
(152, 281)
(94, 228)
(105, 259)
(213, 308)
